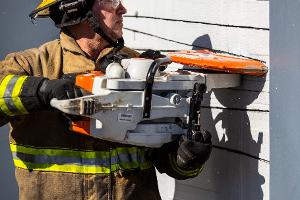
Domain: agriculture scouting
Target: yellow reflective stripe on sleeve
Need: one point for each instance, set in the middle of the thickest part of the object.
(16, 92)
(4, 83)
(3, 86)
(188, 173)
(10, 90)
(4, 108)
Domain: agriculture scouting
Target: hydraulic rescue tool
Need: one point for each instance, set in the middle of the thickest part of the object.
(138, 103)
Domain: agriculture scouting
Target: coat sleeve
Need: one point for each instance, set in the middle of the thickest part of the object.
(14, 70)
(164, 159)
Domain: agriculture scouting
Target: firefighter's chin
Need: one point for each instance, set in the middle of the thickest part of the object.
(115, 35)
(118, 29)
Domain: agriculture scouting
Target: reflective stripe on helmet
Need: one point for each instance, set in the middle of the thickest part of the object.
(45, 3)
(78, 161)
(10, 89)
(42, 9)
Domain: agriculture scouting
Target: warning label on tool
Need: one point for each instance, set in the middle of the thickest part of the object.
(125, 117)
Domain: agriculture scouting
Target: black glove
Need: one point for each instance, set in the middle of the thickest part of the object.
(59, 89)
(193, 154)
(152, 54)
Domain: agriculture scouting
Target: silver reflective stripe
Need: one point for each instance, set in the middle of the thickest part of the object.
(46, 159)
(10, 86)
(8, 95)
(61, 160)
(11, 105)
(125, 158)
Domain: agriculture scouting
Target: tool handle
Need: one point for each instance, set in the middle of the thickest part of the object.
(149, 84)
(194, 126)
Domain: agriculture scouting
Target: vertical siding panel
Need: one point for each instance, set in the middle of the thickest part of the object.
(238, 118)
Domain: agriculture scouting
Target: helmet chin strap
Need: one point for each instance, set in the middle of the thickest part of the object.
(97, 29)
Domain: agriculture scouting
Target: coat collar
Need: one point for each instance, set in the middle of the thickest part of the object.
(75, 59)
(68, 43)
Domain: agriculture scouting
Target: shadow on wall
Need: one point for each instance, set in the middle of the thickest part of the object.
(227, 175)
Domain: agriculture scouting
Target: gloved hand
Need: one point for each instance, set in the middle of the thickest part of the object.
(151, 54)
(59, 89)
(193, 154)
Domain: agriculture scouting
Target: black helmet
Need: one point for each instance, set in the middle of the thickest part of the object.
(70, 12)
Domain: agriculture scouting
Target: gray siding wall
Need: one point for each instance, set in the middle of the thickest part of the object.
(238, 118)
(285, 95)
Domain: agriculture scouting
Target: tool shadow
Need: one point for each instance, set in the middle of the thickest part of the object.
(229, 175)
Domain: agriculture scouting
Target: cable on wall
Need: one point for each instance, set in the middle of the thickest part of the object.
(241, 153)
(197, 22)
(200, 47)
(191, 45)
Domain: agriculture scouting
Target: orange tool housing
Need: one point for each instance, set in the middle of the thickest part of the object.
(209, 60)
(85, 81)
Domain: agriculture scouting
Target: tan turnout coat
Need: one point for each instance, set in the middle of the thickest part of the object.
(53, 162)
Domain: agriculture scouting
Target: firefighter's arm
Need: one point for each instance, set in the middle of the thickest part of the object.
(22, 93)
(183, 158)
(10, 69)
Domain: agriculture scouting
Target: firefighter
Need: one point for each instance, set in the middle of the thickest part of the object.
(53, 162)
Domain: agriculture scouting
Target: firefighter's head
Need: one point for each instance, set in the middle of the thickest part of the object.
(109, 13)
(104, 16)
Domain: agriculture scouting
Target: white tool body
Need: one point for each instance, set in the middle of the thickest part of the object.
(132, 107)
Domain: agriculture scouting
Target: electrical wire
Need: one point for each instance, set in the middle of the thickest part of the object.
(241, 153)
(198, 22)
(200, 47)
(191, 45)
